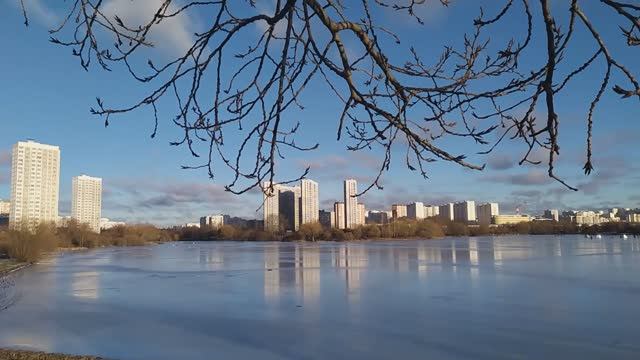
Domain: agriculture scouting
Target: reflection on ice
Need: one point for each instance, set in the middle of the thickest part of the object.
(86, 285)
(505, 296)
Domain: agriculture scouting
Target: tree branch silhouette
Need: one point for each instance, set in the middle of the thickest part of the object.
(468, 91)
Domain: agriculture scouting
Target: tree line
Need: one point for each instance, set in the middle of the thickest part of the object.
(404, 228)
(29, 245)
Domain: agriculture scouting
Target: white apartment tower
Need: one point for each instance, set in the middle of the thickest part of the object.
(86, 201)
(446, 212)
(35, 183)
(338, 211)
(270, 207)
(464, 211)
(415, 211)
(398, 211)
(281, 208)
(212, 222)
(351, 218)
(362, 214)
(309, 207)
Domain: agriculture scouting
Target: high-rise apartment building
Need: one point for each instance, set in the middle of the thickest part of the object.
(552, 214)
(446, 212)
(309, 204)
(431, 211)
(86, 201)
(271, 207)
(35, 184)
(362, 214)
(415, 211)
(398, 211)
(5, 207)
(377, 217)
(212, 222)
(351, 217)
(338, 210)
(464, 211)
(325, 218)
(289, 207)
(587, 218)
(486, 212)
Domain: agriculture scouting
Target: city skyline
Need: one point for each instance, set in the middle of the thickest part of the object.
(121, 153)
(289, 201)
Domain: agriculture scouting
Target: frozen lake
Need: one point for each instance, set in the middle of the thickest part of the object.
(518, 297)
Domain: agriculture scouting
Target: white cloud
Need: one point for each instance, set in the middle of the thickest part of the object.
(172, 35)
(37, 11)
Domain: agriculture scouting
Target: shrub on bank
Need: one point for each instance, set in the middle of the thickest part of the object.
(28, 245)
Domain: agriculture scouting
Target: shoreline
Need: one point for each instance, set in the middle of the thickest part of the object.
(406, 238)
(8, 269)
(7, 354)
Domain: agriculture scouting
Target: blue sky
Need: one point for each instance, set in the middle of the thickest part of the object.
(46, 95)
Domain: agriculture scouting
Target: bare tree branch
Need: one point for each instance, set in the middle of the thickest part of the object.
(469, 91)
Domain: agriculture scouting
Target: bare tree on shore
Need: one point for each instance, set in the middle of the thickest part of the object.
(467, 91)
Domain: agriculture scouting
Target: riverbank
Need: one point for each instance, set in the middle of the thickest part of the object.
(8, 266)
(29, 355)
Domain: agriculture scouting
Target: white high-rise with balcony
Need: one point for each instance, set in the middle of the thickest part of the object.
(86, 201)
(309, 209)
(351, 217)
(35, 184)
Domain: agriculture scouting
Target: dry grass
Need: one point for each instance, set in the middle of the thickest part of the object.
(7, 265)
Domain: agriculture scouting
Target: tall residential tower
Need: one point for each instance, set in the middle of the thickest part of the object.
(309, 207)
(351, 217)
(35, 182)
(86, 201)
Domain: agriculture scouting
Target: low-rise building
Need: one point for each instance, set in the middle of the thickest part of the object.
(633, 218)
(510, 219)
(106, 224)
